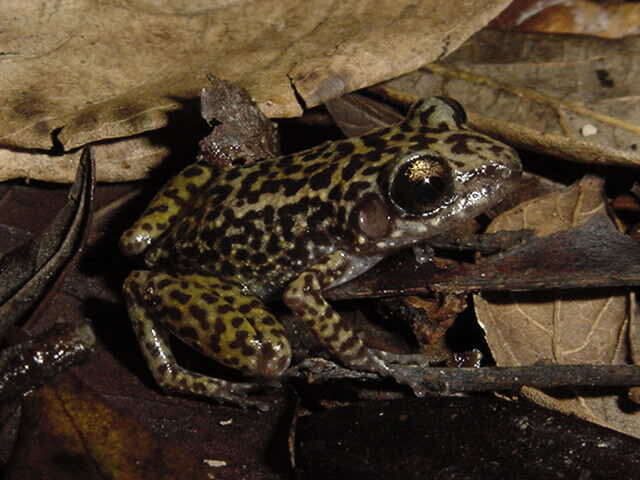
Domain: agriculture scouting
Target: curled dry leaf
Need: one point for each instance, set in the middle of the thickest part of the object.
(593, 255)
(569, 327)
(30, 268)
(571, 97)
(78, 72)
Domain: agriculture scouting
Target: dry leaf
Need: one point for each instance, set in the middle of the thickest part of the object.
(77, 72)
(567, 96)
(561, 327)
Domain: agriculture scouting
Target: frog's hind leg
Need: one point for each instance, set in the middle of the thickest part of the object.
(216, 319)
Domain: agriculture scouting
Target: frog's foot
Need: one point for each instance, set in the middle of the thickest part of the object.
(405, 371)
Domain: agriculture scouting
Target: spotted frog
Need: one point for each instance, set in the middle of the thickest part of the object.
(220, 243)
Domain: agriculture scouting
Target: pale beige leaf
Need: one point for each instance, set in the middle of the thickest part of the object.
(116, 161)
(91, 70)
(568, 96)
(570, 327)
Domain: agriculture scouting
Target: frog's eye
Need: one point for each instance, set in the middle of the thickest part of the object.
(421, 185)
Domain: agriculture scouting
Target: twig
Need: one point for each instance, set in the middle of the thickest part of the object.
(444, 380)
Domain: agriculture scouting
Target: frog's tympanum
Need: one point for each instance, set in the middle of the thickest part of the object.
(219, 243)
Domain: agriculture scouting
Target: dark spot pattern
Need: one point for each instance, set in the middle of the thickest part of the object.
(322, 179)
(355, 163)
(224, 309)
(236, 322)
(355, 190)
(180, 297)
(200, 314)
(460, 143)
(192, 171)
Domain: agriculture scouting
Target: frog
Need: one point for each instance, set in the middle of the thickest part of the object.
(220, 243)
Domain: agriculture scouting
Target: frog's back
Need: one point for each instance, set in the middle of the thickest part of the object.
(265, 223)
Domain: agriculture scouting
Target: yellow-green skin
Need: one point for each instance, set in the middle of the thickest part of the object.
(220, 242)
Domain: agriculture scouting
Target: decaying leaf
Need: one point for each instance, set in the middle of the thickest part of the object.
(242, 133)
(567, 327)
(79, 72)
(570, 97)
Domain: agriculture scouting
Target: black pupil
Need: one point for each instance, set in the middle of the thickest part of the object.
(419, 191)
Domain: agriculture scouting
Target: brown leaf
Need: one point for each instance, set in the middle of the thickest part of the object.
(84, 72)
(591, 255)
(561, 327)
(566, 96)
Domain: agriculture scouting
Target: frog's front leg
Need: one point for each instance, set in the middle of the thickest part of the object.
(304, 297)
(217, 319)
(165, 207)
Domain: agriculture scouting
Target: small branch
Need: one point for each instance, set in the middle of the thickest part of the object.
(540, 376)
(446, 380)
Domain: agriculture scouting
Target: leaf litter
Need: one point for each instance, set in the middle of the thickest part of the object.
(563, 327)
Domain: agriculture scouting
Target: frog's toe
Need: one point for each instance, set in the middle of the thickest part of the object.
(239, 394)
(270, 359)
(405, 369)
(413, 380)
(407, 360)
